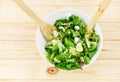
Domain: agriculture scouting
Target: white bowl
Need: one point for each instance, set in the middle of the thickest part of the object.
(52, 17)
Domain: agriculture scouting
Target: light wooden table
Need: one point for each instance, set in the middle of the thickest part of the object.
(20, 60)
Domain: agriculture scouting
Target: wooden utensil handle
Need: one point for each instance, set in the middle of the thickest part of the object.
(28, 11)
(98, 14)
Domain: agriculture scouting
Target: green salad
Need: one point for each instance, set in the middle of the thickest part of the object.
(71, 47)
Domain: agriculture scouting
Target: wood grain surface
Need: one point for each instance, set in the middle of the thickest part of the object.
(19, 57)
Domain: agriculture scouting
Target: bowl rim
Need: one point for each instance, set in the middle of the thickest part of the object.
(81, 12)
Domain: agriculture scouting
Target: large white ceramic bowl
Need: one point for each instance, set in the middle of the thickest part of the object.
(52, 17)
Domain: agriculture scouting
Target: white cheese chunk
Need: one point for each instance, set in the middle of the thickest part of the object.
(77, 27)
(55, 33)
(79, 47)
(76, 40)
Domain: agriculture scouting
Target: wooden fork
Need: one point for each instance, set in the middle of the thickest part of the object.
(47, 29)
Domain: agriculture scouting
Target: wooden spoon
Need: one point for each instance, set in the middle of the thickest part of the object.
(97, 15)
(47, 29)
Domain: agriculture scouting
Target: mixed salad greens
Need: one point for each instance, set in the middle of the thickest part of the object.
(71, 47)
